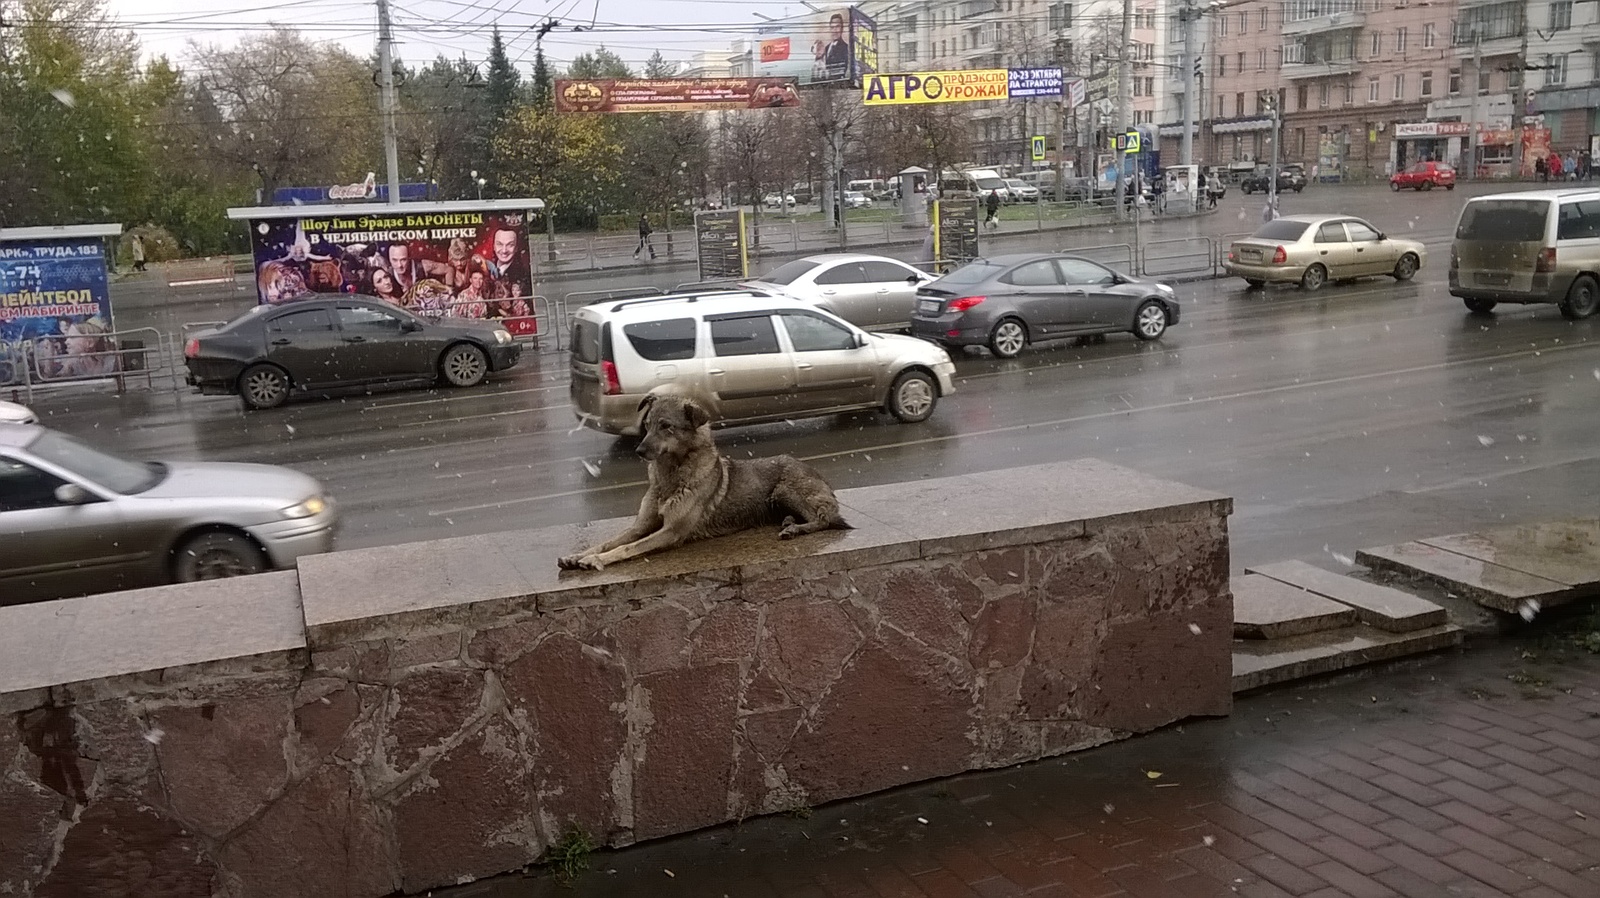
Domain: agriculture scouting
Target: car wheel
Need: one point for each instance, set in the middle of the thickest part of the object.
(1426, 185)
(212, 556)
(1479, 306)
(464, 365)
(263, 387)
(1299, 189)
(912, 397)
(1254, 283)
(1395, 186)
(1405, 268)
(1314, 277)
(1008, 338)
(1150, 321)
(1582, 300)
(1449, 187)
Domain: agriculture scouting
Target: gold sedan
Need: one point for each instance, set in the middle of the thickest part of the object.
(1313, 249)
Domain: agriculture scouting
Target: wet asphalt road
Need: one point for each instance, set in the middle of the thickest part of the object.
(1354, 416)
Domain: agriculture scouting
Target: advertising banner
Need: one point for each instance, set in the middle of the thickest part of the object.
(343, 193)
(911, 88)
(1022, 84)
(955, 229)
(832, 47)
(463, 264)
(674, 94)
(54, 292)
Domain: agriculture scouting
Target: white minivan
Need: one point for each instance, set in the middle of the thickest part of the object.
(1531, 246)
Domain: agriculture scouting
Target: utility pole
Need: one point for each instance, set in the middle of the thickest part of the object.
(1124, 103)
(1277, 135)
(1472, 127)
(1518, 103)
(1189, 16)
(391, 149)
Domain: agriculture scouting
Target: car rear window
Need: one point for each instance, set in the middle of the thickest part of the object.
(1518, 221)
(1281, 230)
(669, 340)
(974, 272)
(586, 341)
(788, 272)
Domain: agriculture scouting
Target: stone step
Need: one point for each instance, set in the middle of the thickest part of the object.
(1258, 663)
(1489, 584)
(1379, 606)
(1264, 608)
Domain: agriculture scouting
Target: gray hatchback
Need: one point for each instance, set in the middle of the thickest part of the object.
(1008, 302)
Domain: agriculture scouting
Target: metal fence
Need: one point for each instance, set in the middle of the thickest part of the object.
(200, 272)
(1184, 255)
(1116, 256)
(85, 356)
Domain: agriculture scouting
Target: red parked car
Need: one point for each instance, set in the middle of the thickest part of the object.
(1425, 176)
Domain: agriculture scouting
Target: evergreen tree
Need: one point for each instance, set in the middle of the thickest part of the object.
(543, 84)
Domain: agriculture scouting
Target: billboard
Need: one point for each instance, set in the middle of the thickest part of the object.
(934, 87)
(471, 264)
(53, 292)
(835, 47)
(1022, 84)
(674, 94)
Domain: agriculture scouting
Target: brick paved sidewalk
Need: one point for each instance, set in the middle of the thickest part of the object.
(1471, 774)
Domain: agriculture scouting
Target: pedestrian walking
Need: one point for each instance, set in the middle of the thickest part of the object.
(136, 247)
(1541, 169)
(1554, 163)
(1570, 166)
(644, 237)
(991, 205)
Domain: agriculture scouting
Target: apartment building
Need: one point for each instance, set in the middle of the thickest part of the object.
(1239, 73)
(1563, 41)
(1084, 37)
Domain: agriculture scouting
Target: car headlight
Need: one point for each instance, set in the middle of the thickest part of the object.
(502, 336)
(309, 508)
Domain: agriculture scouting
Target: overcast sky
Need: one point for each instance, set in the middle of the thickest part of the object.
(425, 28)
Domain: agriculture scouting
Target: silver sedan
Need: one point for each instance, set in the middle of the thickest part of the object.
(75, 520)
(1311, 250)
(870, 292)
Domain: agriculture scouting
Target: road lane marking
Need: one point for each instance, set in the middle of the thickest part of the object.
(1509, 472)
(434, 422)
(1075, 419)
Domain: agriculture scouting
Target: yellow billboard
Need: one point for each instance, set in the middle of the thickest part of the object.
(934, 87)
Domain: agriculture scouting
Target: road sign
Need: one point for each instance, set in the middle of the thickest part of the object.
(1131, 142)
(1076, 91)
(1038, 148)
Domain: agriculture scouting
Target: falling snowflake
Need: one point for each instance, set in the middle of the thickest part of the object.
(1195, 629)
(1209, 840)
(64, 97)
(591, 467)
(1528, 608)
(154, 735)
(290, 428)
(1485, 441)
(1108, 807)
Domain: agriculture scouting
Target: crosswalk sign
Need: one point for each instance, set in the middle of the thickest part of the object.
(1038, 148)
(1131, 145)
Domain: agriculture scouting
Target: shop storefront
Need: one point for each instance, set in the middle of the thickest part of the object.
(1427, 142)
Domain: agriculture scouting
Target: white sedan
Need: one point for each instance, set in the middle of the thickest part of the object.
(777, 201)
(12, 413)
(855, 199)
(871, 292)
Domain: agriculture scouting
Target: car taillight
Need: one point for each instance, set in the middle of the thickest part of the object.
(1547, 260)
(964, 303)
(191, 349)
(1280, 256)
(608, 373)
(1232, 257)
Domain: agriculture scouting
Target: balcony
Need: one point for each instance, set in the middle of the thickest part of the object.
(1303, 17)
(1300, 61)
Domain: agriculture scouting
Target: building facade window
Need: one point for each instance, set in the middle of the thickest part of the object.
(1400, 87)
(1222, 66)
(1241, 63)
(1560, 15)
(1221, 109)
(1301, 93)
(1426, 85)
(1263, 26)
(1323, 94)
(1261, 60)
(1484, 74)
(1372, 90)
(1555, 69)
(1455, 81)
(1400, 41)
(1377, 44)
(1238, 104)
(1428, 36)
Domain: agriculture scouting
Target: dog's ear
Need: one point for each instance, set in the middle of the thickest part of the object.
(698, 417)
(648, 400)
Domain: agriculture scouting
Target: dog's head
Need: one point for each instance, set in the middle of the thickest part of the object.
(672, 426)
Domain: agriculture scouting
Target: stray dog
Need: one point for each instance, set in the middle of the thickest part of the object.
(697, 493)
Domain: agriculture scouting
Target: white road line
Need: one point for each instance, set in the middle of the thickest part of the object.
(1093, 416)
(1509, 472)
(434, 422)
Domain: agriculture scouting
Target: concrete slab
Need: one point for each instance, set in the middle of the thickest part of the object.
(1567, 552)
(1488, 584)
(1381, 606)
(1264, 608)
(1258, 663)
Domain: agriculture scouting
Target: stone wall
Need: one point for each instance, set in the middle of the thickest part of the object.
(414, 716)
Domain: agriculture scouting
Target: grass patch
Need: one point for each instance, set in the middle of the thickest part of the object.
(570, 856)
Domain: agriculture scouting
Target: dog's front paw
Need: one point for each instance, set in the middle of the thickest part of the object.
(790, 529)
(580, 563)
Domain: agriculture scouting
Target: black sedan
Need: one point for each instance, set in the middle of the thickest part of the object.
(1007, 302)
(1289, 178)
(325, 345)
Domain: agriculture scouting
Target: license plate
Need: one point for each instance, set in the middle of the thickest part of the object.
(931, 306)
(1494, 280)
(1253, 255)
